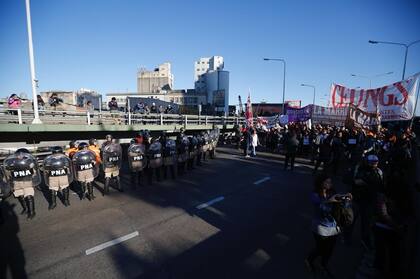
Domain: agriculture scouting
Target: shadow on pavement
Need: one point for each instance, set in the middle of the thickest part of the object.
(12, 259)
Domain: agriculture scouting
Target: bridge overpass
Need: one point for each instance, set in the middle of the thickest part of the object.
(15, 125)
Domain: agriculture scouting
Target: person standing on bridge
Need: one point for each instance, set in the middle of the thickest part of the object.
(113, 107)
(14, 103)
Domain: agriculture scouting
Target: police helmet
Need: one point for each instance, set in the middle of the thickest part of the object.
(22, 150)
(72, 144)
(56, 149)
(83, 145)
(93, 142)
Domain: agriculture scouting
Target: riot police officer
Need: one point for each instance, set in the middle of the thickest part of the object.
(58, 175)
(111, 164)
(85, 169)
(182, 144)
(93, 146)
(155, 160)
(169, 155)
(192, 151)
(206, 144)
(200, 147)
(72, 149)
(22, 172)
(137, 159)
(5, 192)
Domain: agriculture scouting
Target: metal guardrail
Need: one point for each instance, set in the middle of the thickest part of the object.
(25, 117)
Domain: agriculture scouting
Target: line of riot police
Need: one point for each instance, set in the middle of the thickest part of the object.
(81, 164)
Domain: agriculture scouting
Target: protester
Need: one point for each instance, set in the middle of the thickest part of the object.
(291, 146)
(54, 101)
(41, 103)
(113, 107)
(324, 226)
(14, 103)
(254, 143)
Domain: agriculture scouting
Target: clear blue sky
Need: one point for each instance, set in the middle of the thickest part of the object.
(100, 44)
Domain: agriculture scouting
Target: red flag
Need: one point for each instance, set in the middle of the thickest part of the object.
(248, 112)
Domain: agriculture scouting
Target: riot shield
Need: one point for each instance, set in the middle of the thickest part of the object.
(21, 171)
(112, 157)
(169, 152)
(137, 159)
(85, 167)
(58, 171)
(155, 155)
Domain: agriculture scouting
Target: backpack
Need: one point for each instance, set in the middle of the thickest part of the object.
(343, 213)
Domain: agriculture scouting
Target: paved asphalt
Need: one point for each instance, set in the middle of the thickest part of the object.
(259, 227)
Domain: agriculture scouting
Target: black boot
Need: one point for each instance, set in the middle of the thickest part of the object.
(150, 176)
(22, 202)
(139, 179)
(165, 172)
(30, 202)
(158, 174)
(133, 180)
(172, 169)
(83, 188)
(199, 159)
(119, 185)
(91, 196)
(66, 194)
(53, 203)
(106, 185)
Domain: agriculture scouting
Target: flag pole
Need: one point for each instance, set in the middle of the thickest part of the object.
(415, 104)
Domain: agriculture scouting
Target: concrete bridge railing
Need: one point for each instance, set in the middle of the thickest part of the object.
(83, 117)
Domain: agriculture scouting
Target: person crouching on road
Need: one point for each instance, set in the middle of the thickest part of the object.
(324, 226)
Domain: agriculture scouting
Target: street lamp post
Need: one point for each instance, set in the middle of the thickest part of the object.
(399, 44)
(284, 76)
(312, 86)
(371, 77)
(32, 65)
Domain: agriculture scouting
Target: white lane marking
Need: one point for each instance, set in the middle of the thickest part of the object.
(262, 180)
(112, 242)
(206, 204)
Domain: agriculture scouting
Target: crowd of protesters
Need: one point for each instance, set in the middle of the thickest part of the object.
(378, 168)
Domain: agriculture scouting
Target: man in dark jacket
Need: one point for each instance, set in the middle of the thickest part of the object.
(291, 147)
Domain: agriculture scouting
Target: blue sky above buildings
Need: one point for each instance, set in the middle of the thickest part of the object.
(101, 44)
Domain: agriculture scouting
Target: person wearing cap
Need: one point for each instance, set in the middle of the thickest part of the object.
(368, 179)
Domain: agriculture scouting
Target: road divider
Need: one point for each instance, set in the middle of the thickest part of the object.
(262, 180)
(111, 243)
(207, 204)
